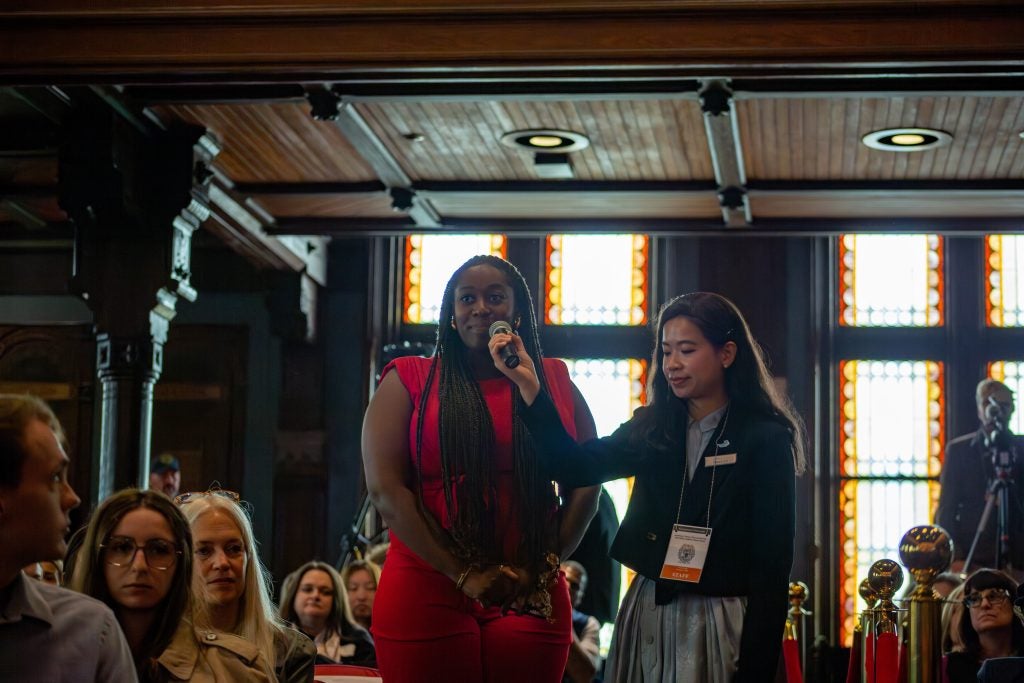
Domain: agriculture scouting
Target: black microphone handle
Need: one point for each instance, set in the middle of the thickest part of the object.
(509, 355)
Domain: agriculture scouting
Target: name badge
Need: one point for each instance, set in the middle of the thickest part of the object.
(687, 550)
(724, 459)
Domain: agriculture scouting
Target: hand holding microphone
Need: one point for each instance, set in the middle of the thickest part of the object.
(508, 352)
(510, 357)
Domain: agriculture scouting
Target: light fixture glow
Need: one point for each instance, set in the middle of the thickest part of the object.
(908, 139)
(546, 140)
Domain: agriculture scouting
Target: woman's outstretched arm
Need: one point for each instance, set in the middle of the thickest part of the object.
(580, 503)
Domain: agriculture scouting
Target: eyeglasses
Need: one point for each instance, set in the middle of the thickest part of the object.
(120, 552)
(996, 597)
(184, 498)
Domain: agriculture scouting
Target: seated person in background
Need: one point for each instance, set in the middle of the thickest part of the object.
(137, 558)
(313, 598)
(952, 609)
(46, 633)
(585, 651)
(987, 626)
(945, 583)
(238, 634)
(46, 571)
(360, 578)
(377, 553)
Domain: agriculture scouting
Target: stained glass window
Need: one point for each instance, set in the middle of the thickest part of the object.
(596, 279)
(1004, 282)
(613, 389)
(890, 445)
(891, 281)
(1011, 373)
(430, 260)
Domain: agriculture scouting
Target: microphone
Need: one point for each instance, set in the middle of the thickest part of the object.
(994, 411)
(508, 353)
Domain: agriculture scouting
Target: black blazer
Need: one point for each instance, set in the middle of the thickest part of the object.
(752, 513)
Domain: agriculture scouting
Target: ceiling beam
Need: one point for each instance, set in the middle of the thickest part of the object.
(328, 106)
(478, 85)
(773, 227)
(224, 41)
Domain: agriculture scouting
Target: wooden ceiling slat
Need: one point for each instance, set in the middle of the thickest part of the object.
(367, 205)
(1011, 164)
(275, 142)
(570, 205)
(818, 139)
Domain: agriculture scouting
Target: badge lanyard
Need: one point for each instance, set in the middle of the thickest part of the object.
(714, 466)
(688, 545)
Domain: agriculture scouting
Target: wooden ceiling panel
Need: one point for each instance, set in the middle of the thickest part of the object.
(819, 139)
(354, 205)
(887, 204)
(577, 204)
(629, 139)
(275, 143)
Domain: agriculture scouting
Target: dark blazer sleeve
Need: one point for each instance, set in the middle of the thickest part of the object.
(772, 524)
(572, 464)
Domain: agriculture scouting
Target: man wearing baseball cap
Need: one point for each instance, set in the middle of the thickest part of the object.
(165, 474)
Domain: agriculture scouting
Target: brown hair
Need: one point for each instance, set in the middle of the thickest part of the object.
(88, 576)
(16, 412)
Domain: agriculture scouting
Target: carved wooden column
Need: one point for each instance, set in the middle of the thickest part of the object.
(136, 196)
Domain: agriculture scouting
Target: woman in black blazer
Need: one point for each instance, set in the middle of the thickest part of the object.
(710, 525)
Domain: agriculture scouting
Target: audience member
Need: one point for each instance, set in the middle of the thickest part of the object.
(137, 559)
(945, 582)
(360, 578)
(377, 553)
(585, 651)
(240, 636)
(987, 627)
(313, 598)
(165, 475)
(46, 571)
(47, 633)
(952, 609)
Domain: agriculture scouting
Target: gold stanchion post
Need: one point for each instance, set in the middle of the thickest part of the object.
(925, 551)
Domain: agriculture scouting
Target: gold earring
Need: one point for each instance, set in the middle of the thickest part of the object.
(453, 323)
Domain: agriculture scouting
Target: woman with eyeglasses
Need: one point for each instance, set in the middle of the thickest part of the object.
(137, 558)
(238, 633)
(987, 626)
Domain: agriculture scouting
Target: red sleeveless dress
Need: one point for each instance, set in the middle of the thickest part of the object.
(414, 601)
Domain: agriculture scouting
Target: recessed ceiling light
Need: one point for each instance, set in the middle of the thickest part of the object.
(546, 140)
(906, 139)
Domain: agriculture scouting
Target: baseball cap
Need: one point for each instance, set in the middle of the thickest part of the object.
(164, 462)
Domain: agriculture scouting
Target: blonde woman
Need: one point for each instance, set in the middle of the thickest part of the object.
(237, 633)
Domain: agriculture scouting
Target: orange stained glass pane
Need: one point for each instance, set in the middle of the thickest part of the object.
(596, 279)
(891, 281)
(891, 434)
(1004, 281)
(430, 260)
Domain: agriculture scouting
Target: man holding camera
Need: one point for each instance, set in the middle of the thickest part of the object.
(976, 468)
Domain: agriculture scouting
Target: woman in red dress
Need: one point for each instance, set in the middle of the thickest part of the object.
(470, 590)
